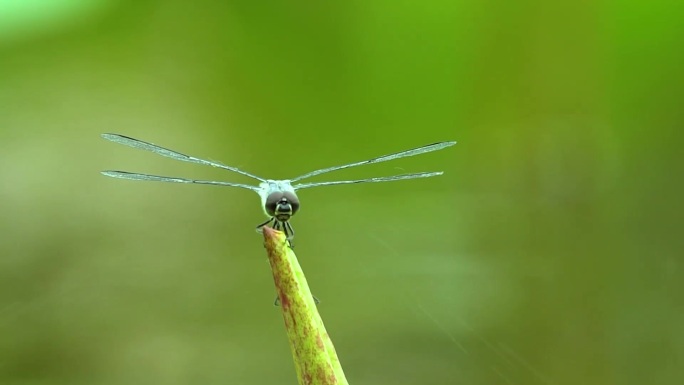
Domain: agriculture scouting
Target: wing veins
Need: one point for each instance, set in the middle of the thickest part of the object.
(384, 158)
(370, 180)
(136, 143)
(159, 178)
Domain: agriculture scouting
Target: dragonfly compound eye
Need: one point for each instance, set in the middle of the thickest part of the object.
(273, 201)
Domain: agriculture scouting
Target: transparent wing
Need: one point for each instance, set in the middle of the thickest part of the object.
(371, 180)
(157, 178)
(135, 143)
(384, 158)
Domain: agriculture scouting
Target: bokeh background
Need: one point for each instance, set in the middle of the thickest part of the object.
(549, 252)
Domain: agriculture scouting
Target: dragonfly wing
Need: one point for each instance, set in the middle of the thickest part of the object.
(158, 178)
(370, 180)
(135, 143)
(384, 158)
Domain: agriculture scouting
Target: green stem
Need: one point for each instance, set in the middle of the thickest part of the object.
(314, 354)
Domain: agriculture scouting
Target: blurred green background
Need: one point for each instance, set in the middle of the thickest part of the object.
(549, 252)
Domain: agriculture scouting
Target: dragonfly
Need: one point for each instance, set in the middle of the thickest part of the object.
(278, 197)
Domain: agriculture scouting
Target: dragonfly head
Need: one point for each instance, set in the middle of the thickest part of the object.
(281, 205)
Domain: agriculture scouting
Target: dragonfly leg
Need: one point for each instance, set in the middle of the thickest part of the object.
(259, 227)
(285, 227)
(289, 233)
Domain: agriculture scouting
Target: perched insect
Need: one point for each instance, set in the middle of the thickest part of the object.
(278, 197)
